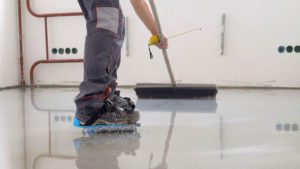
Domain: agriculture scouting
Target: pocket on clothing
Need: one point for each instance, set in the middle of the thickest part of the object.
(108, 18)
(109, 64)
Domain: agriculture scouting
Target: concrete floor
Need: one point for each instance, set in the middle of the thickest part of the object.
(241, 129)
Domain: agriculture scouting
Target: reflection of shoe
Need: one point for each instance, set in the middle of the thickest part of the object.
(103, 151)
(124, 142)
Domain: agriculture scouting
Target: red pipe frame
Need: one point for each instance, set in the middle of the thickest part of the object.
(47, 61)
(53, 61)
(46, 37)
(49, 14)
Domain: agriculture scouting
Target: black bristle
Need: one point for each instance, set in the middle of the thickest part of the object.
(182, 91)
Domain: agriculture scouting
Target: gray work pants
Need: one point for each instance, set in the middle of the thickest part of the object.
(105, 35)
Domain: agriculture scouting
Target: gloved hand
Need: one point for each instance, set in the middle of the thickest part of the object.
(154, 40)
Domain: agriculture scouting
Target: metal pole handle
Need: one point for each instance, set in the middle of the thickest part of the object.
(161, 37)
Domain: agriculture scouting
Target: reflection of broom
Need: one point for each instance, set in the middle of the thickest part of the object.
(173, 90)
(163, 164)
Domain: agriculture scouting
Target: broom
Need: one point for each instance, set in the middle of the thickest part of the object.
(173, 90)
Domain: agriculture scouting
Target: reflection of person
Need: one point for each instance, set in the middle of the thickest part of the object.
(104, 40)
(161, 166)
(102, 152)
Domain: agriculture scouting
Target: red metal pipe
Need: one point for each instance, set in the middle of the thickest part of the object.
(32, 12)
(49, 62)
(21, 58)
(46, 37)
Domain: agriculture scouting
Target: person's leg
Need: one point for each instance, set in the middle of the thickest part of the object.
(117, 53)
(105, 35)
(125, 103)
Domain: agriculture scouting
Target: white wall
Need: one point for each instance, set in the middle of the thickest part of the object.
(254, 30)
(12, 138)
(9, 48)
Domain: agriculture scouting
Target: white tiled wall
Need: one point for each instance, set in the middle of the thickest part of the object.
(9, 51)
(254, 31)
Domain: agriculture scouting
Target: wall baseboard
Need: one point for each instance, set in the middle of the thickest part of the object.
(132, 86)
(10, 87)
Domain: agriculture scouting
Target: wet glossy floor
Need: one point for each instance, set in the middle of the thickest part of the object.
(241, 129)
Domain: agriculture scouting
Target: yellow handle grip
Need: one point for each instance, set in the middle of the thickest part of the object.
(153, 40)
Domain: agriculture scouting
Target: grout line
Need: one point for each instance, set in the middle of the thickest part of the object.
(10, 87)
(133, 86)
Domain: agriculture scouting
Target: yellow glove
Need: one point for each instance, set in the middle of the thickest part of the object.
(153, 40)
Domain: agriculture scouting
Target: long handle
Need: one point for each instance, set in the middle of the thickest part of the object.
(223, 34)
(161, 37)
(167, 143)
(127, 36)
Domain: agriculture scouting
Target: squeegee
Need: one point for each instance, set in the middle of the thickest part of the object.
(172, 90)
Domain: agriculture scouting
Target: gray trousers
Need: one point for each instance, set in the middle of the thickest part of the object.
(105, 25)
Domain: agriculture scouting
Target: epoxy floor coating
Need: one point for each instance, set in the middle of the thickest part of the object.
(241, 129)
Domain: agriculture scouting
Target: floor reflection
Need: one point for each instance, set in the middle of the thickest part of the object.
(178, 105)
(102, 151)
(241, 129)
